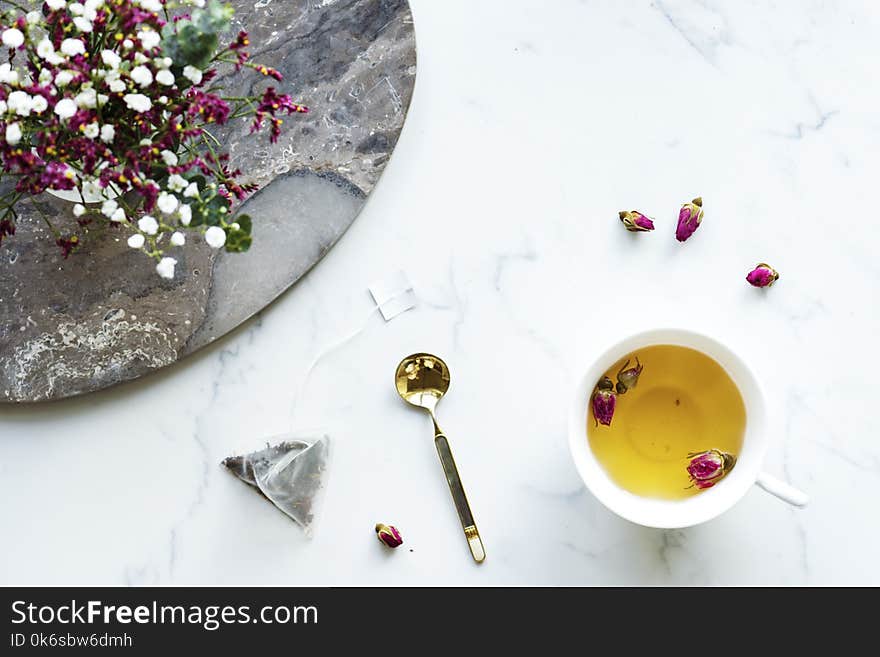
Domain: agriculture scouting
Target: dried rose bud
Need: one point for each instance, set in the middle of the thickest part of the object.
(636, 222)
(763, 275)
(689, 218)
(707, 468)
(604, 401)
(628, 377)
(389, 535)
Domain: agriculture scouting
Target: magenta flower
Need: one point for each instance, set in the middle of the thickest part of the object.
(603, 402)
(628, 377)
(689, 218)
(389, 535)
(763, 275)
(67, 244)
(707, 468)
(271, 103)
(636, 222)
(57, 176)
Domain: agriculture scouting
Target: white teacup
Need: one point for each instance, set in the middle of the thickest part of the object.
(709, 503)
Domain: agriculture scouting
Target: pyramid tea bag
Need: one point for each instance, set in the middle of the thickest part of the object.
(291, 474)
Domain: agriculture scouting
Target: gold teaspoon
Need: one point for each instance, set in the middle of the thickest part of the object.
(422, 379)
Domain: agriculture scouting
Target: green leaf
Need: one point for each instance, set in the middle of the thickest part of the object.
(237, 241)
(245, 223)
(194, 41)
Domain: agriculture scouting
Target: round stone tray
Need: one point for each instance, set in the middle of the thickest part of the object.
(103, 316)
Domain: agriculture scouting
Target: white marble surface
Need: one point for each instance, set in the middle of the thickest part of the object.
(531, 126)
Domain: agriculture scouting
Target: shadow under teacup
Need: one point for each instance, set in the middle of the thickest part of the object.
(709, 503)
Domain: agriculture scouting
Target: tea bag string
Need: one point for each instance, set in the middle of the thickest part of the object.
(331, 348)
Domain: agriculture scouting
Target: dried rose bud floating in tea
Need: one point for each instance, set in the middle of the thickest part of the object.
(707, 468)
(684, 404)
(603, 402)
(628, 377)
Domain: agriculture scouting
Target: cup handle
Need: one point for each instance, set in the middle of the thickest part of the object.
(782, 490)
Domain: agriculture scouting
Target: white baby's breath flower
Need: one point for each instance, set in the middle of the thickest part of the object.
(33, 17)
(164, 101)
(13, 134)
(64, 78)
(140, 58)
(91, 130)
(55, 5)
(138, 102)
(192, 74)
(165, 268)
(79, 210)
(3, 107)
(12, 38)
(149, 39)
(215, 237)
(136, 241)
(167, 203)
(72, 47)
(117, 86)
(141, 75)
(185, 213)
(110, 58)
(19, 103)
(7, 75)
(118, 216)
(38, 104)
(148, 225)
(45, 77)
(108, 132)
(163, 62)
(102, 99)
(128, 44)
(170, 159)
(65, 108)
(94, 4)
(82, 24)
(151, 5)
(176, 183)
(197, 3)
(165, 77)
(87, 98)
(178, 239)
(45, 49)
(191, 191)
(108, 207)
(76, 8)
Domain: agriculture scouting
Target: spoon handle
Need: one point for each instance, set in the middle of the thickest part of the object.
(460, 499)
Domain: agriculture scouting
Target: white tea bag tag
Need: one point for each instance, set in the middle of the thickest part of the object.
(394, 295)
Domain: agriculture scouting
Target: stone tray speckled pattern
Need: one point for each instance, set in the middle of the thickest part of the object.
(103, 316)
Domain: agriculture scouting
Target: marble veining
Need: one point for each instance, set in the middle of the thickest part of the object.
(530, 128)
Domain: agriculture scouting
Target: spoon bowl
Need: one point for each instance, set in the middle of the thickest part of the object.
(422, 380)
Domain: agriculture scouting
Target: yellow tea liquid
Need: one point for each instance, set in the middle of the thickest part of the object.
(684, 402)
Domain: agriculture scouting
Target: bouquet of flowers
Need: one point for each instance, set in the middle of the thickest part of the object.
(113, 101)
